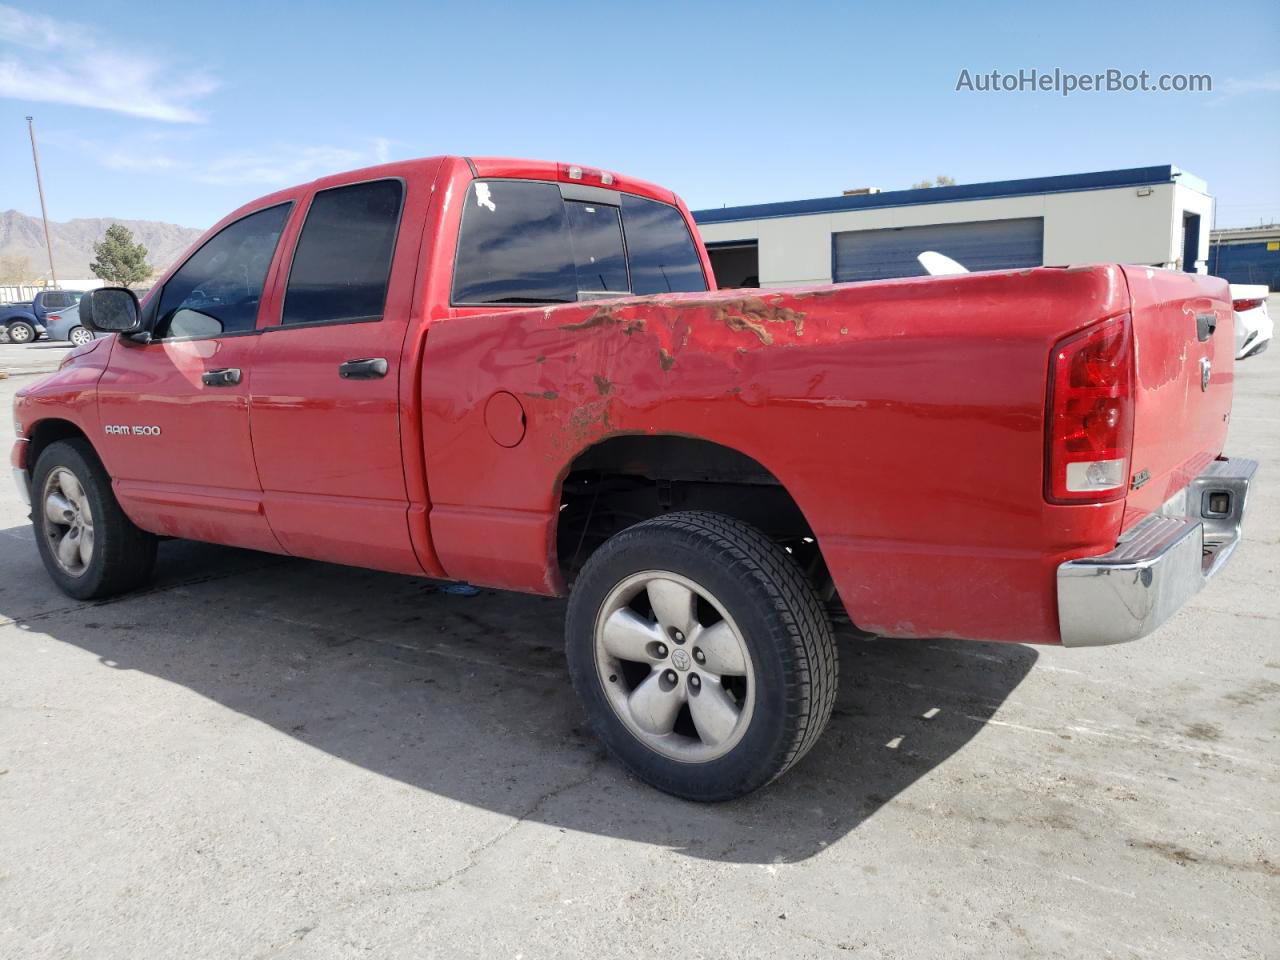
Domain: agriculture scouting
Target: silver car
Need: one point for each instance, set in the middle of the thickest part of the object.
(66, 325)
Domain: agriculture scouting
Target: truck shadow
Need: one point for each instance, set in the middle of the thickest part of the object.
(468, 697)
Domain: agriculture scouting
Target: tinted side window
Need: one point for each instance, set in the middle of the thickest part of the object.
(513, 246)
(663, 256)
(343, 261)
(218, 289)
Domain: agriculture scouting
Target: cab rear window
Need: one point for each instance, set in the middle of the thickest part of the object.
(521, 242)
(662, 254)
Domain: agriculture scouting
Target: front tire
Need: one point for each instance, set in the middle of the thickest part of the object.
(21, 332)
(702, 655)
(89, 547)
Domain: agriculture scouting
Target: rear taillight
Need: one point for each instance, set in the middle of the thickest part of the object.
(1240, 306)
(1090, 414)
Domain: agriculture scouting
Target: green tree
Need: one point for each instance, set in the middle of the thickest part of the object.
(941, 181)
(118, 259)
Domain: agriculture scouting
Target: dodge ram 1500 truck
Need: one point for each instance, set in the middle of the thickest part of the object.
(520, 375)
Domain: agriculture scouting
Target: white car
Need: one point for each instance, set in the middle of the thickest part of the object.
(1254, 326)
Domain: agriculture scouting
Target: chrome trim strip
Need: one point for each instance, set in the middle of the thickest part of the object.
(1158, 565)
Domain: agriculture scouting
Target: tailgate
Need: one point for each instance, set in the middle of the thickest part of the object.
(1183, 330)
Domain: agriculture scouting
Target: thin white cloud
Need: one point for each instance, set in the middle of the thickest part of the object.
(178, 152)
(382, 149)
(1266, 83)
(141, 162)
(60, 61)
(281, 166)
(1233, 87)
(145, 151)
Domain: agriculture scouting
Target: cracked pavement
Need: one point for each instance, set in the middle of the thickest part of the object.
(262, 757)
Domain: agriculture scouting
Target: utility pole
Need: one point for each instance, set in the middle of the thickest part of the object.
(44, 215)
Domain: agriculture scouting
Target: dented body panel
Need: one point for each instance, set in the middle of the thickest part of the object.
(905, 418)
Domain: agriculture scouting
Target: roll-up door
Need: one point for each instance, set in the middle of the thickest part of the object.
(981, 245)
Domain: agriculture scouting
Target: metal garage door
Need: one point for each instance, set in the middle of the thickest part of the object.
(982, 245)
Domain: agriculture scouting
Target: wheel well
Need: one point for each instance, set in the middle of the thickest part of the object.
(625, 480)
(50, 431)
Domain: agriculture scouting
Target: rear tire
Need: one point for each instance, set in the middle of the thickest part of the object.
(21, 332)
(79, 336)
(702, 655)
(90, 548)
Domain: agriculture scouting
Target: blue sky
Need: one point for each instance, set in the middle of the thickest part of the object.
(182, 111)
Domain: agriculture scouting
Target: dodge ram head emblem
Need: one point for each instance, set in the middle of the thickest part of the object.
(1206, 371)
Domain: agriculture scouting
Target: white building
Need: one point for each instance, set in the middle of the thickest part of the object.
(1158, 216)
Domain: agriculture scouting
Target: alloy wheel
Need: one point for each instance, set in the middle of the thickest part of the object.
(674, 666)
(68, 521)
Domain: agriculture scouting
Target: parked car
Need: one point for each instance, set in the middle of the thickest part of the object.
(66, 325)
(25, 322)
(519, 375)
(1254, 326)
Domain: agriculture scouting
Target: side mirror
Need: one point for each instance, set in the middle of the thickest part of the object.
(111, 310)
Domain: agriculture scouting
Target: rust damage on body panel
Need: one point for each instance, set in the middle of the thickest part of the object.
(607, 316)
(739, 324)
(754, 313)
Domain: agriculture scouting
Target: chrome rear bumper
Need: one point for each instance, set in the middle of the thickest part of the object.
(1159, 564)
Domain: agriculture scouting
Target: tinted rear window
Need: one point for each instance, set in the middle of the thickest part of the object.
(598, 258)
(514, 245)
(520, 242)
(343, 259)
(663, 256)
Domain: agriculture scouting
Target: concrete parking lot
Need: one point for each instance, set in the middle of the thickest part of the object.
(19, 359)
(265, 757)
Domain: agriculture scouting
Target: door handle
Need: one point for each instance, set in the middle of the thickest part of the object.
(221, 378)
(370, 368)
(1206, 323)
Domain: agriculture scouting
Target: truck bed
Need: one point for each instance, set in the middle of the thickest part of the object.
(906, 417)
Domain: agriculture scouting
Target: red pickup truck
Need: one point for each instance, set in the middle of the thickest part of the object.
(520, 375)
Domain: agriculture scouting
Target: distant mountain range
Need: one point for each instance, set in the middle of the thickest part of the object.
(22, 237)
